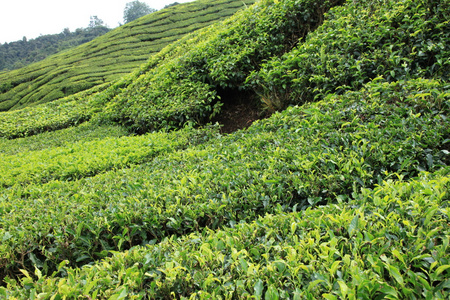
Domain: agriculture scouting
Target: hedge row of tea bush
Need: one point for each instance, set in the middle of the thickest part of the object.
(184, 88)
(302, 157)
(360, 41)
(391, 242)
(304, 204)
(60, 138)
(59, 114)
(88, 158)
(357, 42)
(78, 108)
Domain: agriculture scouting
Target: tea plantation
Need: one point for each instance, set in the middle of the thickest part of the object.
(110, 56)
(128, 191)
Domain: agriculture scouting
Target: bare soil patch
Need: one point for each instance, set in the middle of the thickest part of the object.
(239, 111)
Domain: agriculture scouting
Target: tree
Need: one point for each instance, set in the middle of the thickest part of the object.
(170, 5)
(136, 9)
(96, 22)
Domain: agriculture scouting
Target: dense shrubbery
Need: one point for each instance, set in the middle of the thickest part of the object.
(63, 113)
(371, 43)
(60, 138)
(302, 205)
(88, 158)
(358, 42)
(391, 242)
(184, 87)
(304, 156)
(183, 83)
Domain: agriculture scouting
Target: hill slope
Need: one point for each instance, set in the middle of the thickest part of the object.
(183, 83)
(342, 195)
(150, 190)
(111, 56)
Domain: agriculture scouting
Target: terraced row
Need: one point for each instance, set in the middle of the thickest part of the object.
(183, 83)
(390, 242)
(107, 58)
(88, 158)
(303, 157)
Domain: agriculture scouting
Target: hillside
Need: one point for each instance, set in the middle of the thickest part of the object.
(110, 56)
(339, 191)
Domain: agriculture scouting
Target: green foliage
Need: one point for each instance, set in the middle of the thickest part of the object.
(109, 57)
(358, 42)
(245, 40)
(391, 242)
(60, 138)
(330, 199)
(88, 158)
(180, 88)
(302, 157)
(59, 114)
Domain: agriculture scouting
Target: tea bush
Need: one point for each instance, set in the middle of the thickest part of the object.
(189, 104)
(88, 158)
(302, 157)
(358, 42)
(390, 242)
(346, 197)
(60, 138)
(63, 113)
(184, 88)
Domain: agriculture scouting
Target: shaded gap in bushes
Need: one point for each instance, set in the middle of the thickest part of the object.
(239, 110)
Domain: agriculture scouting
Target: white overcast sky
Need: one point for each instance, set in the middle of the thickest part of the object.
(31, 18)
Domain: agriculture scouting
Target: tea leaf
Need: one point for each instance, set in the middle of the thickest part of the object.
(354, 225)
(259, 287)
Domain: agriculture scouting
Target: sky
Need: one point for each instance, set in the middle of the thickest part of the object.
(32, 18)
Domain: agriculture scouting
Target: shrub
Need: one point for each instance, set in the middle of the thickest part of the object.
(358, 42)
(303, 157)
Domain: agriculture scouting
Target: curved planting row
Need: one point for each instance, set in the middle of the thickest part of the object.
(55, 77)
(63, 113)
(88, 158)
(185, 87)
(183, 83)
(305, 156)
(390, 242)
(60, 138)
(83, 106)
(357, 43)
